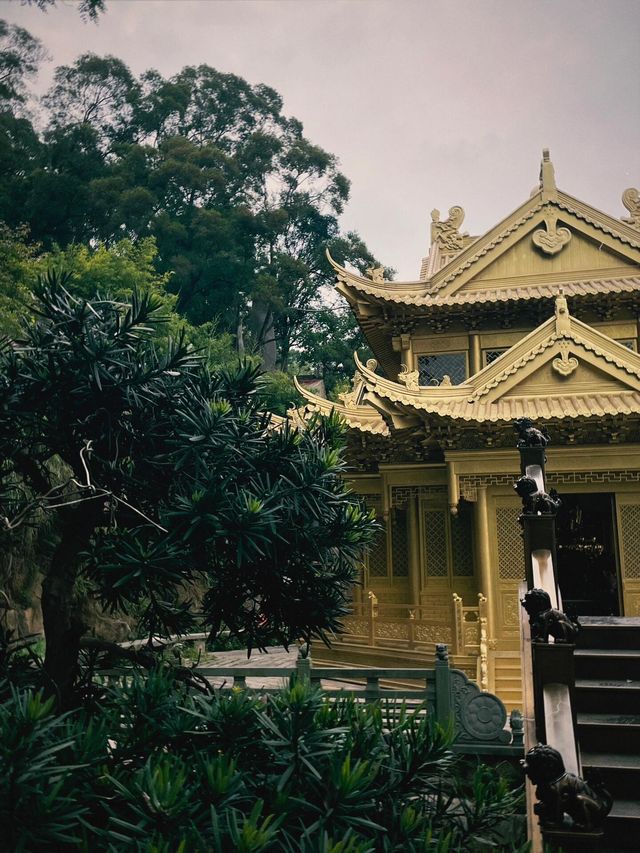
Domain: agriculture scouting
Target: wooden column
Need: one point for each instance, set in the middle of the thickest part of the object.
(483, 550)
(413, 524)
(475, 354)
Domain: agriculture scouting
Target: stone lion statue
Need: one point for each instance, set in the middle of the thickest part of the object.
(560, 793)
(535, 502)
(545, 621)
(529, 435)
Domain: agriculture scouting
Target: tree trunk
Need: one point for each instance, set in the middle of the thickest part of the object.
(63, 625)
(263, 327)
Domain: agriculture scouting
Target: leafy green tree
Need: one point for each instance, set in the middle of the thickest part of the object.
(161, 474)
(18, 270)
(20, 57)
(242, 206)
(95, 91)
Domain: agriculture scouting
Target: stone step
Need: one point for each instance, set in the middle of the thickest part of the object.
(619, 773)
(598, 695)
(601, 732)
(606, 632)
(607, 663)
(622, 826)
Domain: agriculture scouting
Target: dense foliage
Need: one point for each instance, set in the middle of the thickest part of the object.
(161, 475)
(150, 767)
(240, 204)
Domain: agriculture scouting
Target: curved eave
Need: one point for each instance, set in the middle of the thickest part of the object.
(362, 418)
(495, 295)
(548, 408)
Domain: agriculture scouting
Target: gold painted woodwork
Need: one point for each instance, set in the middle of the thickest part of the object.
(496, 291)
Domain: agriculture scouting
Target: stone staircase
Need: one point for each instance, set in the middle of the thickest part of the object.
(607, 704)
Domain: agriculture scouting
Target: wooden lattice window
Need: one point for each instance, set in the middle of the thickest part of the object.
(435, 542)
(630, 535)
(377, 556)
(462, 544)
(490, 355)
(510, 548)
(400, 544)
(433, 368)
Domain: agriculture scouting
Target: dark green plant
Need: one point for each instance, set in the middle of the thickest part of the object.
(153, 767)
(164, 480)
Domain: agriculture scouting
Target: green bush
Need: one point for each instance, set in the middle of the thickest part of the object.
(151, 766)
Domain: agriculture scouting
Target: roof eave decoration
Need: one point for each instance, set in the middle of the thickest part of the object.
(562, 340)
(357, 415)
(545, 205)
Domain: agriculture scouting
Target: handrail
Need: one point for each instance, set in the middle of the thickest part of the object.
(548, 666)
(446, 692)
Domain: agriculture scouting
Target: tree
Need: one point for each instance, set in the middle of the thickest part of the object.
(20, 57)
(242, 206)
(89, 9)
(95, 91)
(161, 474)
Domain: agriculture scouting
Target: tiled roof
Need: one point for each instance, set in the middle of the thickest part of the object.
(418, 295)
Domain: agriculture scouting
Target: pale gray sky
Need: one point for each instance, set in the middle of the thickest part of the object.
(427, 103)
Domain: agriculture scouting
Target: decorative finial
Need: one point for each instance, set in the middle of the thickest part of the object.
(447, 234)
(547, 178)
(376, 274)
(563, 319)
(631, 200)
(442, 651)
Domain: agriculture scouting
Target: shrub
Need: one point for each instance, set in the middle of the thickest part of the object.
(151, 766)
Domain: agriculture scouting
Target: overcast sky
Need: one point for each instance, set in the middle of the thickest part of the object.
(427, 103)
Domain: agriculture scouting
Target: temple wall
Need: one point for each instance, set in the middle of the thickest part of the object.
(425, 554)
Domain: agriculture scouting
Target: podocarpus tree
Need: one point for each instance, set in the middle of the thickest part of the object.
(161, 474)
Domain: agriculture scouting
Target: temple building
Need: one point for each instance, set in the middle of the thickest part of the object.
(537, 318)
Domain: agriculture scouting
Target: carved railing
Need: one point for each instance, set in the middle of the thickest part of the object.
(380, 624)
(479, 719)
(564, 804)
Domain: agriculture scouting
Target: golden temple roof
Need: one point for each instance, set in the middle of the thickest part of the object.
(548, 226)
(563, 369)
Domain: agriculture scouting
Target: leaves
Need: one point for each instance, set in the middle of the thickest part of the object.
(153, 766)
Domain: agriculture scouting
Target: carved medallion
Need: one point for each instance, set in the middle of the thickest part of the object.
(554, 239)
(564, 365)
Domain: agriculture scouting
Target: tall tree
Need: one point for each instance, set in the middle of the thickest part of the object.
(20, 57)
(241, 205)
(159, 474)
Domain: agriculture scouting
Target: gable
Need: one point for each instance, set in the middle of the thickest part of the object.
(585, 379)
(544, 241)
(582, 257)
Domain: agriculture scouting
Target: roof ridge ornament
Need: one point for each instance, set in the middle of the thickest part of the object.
(410, 378)
(563, 318)
(376, 274)
(631, 200)
(447, 234)
(548, 178)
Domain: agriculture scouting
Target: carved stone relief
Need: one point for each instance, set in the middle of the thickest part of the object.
(564, 365)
